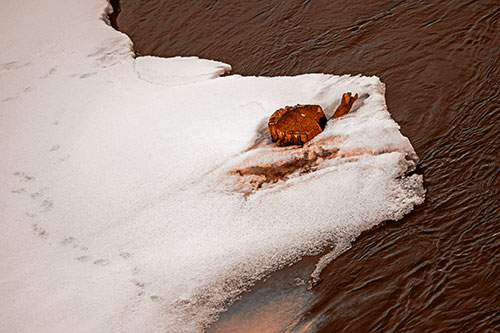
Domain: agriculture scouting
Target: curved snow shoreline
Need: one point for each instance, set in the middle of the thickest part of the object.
(120, 211)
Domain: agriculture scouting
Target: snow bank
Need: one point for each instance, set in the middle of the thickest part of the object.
(125, 205)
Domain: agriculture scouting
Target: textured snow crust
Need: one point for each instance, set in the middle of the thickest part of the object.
(121, 209)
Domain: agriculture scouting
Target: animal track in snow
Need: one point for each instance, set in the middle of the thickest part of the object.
(102, 262)
(55, 147)
(23, 177)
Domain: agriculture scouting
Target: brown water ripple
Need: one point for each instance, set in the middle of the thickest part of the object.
(437, 270)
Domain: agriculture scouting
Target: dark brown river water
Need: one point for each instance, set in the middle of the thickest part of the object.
(437, 270)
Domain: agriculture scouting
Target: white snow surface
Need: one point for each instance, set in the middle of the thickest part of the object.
(178, 71)
(118, 207)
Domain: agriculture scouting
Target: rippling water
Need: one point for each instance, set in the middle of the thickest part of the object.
(438, 269)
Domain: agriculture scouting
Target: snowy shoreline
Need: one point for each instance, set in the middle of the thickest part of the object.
(120, 211)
